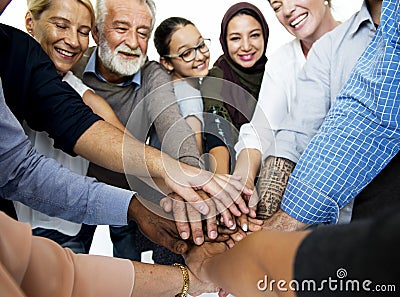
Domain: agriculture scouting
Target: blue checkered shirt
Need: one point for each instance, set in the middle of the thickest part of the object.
(359, 136)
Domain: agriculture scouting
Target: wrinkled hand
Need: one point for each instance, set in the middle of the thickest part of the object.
(197, 256)
(281, 221)
(189, 221)
(158, 229)
(224, 189)
(198, 287)
(251, 225)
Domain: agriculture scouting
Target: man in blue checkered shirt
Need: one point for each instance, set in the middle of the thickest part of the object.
(360, 135)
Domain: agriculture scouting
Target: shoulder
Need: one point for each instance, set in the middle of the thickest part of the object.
(19, 44)
(153, 69)
(216, 72)
(289, 55)
(342, 31)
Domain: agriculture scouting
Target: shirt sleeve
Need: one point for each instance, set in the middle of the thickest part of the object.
(310, 104)
(46, 186)
(76, 83)
(35, 93)
(360, 135)
(274, 101)
(177, 138)
(189, 100)
(35, 262)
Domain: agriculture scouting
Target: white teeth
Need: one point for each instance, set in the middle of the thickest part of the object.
(298, 20)
(65, 53)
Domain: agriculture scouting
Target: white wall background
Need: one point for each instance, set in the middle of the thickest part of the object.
(205, 14)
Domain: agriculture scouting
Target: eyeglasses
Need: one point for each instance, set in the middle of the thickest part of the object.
(190, 54)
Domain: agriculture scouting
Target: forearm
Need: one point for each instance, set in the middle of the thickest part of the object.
(157, 280)
(262, 254)
(272, 184)
(102, 108)
(109, 147)
(248, 165)
(219, 160)
(177, 137)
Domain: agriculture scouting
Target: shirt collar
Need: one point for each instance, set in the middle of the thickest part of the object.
(362, 16)
(91, 68)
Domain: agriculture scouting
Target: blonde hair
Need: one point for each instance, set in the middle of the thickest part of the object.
(37, 7)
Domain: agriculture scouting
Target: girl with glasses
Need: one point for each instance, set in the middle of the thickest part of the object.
(185, 55)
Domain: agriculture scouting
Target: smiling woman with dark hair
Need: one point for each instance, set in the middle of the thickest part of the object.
(243, 38)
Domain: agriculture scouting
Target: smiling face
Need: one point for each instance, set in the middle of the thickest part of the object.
(302, 18)
(245, 40)
(182, 39)
(63, 32)
(123, 40)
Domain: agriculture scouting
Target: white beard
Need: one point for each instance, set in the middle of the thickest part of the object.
(117, 64)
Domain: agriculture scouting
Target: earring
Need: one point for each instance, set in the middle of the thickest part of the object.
(326, 3)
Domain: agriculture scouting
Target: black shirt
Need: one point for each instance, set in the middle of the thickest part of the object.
(34, 91)
(357, 259)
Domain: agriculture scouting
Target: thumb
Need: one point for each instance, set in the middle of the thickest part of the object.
(179, 246)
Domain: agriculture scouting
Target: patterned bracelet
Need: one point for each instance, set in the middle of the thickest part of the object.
(185, 274)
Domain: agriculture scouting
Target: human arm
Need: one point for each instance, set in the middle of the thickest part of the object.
(191, 106)
(102, 108)
(32, 263)
(261, 254)
(176, 137)
(98, 104)
(357, 139)
(195, 124)
(44, 185)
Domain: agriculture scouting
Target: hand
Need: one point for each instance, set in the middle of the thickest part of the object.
(226, 189)
(198, 287)
(281, 221)
(197, 256)
(190, 222)
(158, 229)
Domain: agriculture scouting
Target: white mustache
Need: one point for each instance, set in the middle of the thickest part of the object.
(126, 49)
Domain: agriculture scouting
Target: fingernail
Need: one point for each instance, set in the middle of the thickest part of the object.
(244, 227)
(232, 227)
(198, 240)
(184, 235)
(213, 234)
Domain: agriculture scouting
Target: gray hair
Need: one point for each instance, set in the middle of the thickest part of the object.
(101, 12)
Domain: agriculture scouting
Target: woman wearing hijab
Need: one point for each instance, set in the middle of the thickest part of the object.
(231, 89)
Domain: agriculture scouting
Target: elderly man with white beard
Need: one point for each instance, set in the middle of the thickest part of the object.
(140, 93)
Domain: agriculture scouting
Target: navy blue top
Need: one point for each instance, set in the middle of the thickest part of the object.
(34, 91)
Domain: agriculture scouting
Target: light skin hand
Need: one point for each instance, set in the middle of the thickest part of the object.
(247, 166)
(215, 263)
(227, 189)
(196, 257)
(281, 221)
(189, 221)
